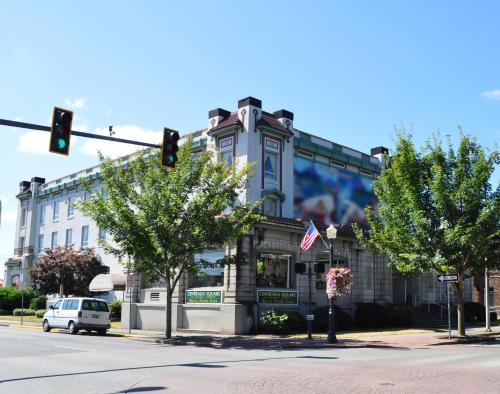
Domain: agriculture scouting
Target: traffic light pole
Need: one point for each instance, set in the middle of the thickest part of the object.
(33, 126)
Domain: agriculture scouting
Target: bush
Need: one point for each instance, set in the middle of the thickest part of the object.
(115, 308)
(24, 312)
(372, 315)
(282, 322)
(400, 315)
(10, 298)
(3, 312)
(474, 311)
(40, 312)
(38, 303)
(343, 320)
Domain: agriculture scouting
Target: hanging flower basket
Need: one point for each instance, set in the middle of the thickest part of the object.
(338, 282)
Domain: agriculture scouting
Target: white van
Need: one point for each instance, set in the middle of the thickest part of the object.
(90, 314)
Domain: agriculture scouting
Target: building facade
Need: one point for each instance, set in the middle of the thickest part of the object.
(302, 176)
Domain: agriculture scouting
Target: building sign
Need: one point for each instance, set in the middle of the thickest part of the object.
(203, 296)
(280, 297)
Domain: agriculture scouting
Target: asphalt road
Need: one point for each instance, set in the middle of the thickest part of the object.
(35, 362)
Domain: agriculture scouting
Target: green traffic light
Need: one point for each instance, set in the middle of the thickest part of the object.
(61, 143)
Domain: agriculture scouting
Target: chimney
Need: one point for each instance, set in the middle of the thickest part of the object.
(217, 116)
(381, 153)
(249, 112)
(285, 118)
(23, 186)
(35, 183)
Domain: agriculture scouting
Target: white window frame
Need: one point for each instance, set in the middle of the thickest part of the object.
(68, 242)
(40, 243)
(55, 211)
(272, 147)
(85, 240)
(226, 145)
(71, 209)
(43, 210)
(53, 240)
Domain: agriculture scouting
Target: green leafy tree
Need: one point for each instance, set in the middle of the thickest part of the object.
(67, 267)
(437, 212)
(162, 218)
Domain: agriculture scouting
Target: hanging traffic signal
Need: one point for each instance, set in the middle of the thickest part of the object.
(60, 133)
(169, 148)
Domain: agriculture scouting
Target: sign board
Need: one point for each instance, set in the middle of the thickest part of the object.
(309, 317)
(279, 297)
(448, 278)
(203, 296)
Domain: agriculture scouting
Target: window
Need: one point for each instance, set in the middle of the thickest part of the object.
(337, 163)
(69, 237)
(337, 262)
(211, 273)
(274, 270)
(94, 305)
(304, 153)
(42, 214)
(101, 234)
(21, 246)
(58, 304)
(55, 210)
(23, 217)
(71, 305)
(40, 244)
(53, 241)
(71, 209)
(365, 172)
(270, 207)
(85, 236)
(271, 162)
(226, 149)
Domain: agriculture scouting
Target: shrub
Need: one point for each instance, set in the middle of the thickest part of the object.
(10, 298)
(372, 315)
(282, 322)
(38, 303)
(40, 312)
(115, 308)
(24, 312)
(3, 312)
(474, 311)
(343, 320)
(400, 315)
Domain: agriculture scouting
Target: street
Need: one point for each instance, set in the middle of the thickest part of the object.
(36, 362)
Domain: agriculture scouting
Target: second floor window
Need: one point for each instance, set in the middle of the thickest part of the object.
(55, 210)
(226, 149)
(102, 233)
(271, 162)
(53, 241)
(69, 237)
(42, 214)
(85, 236)
(40, 244)
(71, 209)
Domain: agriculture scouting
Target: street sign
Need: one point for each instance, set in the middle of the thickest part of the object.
(309, 317)
(448, 278)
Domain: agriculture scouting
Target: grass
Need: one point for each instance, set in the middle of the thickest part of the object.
(31, 319)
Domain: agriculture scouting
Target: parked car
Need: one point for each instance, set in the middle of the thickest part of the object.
(90, 314)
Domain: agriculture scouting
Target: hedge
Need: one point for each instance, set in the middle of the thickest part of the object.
(38, 303)
(40, 312)
(282, 322)
(343, 320)
(474, 311)
(24, 312)
(115, 308)
(10, 298)
(384, 315)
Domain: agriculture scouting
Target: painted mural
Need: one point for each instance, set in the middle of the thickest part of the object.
(330, 195)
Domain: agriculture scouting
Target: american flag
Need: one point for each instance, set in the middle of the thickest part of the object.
(311, 235)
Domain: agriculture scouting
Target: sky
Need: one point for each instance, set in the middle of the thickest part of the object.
(350, 71)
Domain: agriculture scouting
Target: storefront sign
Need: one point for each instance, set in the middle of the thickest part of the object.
(203, 296)
(284, 297)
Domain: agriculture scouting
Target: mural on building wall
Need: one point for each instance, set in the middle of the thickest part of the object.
(330, 195)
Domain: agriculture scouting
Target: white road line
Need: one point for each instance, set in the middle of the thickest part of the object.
(73, 348)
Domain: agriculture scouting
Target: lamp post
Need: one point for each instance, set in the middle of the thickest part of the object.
(331, 234)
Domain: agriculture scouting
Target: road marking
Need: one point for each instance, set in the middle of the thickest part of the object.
(73, 348)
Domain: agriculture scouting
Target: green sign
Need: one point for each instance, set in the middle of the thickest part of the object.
(203, 296)
(277, 297)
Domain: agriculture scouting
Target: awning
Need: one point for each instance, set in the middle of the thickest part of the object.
(101, 283)
(107, 282)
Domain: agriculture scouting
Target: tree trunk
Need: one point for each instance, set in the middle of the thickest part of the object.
(459, 293)
(168, 310)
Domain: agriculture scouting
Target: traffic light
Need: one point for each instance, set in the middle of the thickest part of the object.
(60, 133)
(169, 148)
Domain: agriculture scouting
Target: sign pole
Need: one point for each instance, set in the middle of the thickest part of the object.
(309, 321)
(22, 306)
(449, 313)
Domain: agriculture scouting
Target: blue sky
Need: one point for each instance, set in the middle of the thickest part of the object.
(350, 71)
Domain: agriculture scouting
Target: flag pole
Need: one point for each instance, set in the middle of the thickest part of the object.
(319, 232)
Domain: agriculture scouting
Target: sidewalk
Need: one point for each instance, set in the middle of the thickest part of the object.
(408, 338)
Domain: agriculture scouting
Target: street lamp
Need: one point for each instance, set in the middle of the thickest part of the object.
(331, 234)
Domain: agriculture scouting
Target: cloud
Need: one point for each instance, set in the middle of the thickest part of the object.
(37, 142)
(117, 149)
(76, 103)
(492, 94)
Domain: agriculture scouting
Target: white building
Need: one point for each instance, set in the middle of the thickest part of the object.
(303, 176)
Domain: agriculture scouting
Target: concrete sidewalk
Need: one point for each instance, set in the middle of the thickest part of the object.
(405, 338)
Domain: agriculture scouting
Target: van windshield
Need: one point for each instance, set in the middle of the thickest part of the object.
(94, 305)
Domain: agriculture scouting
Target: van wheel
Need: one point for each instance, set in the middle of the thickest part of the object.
(101, 332)
(73, 330)
(46, 327)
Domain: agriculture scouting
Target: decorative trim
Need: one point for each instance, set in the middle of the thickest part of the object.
(255, 113)
(243, 113)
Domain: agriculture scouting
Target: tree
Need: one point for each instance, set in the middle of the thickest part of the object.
(67, 267)
(437, 212)
(162, 218)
